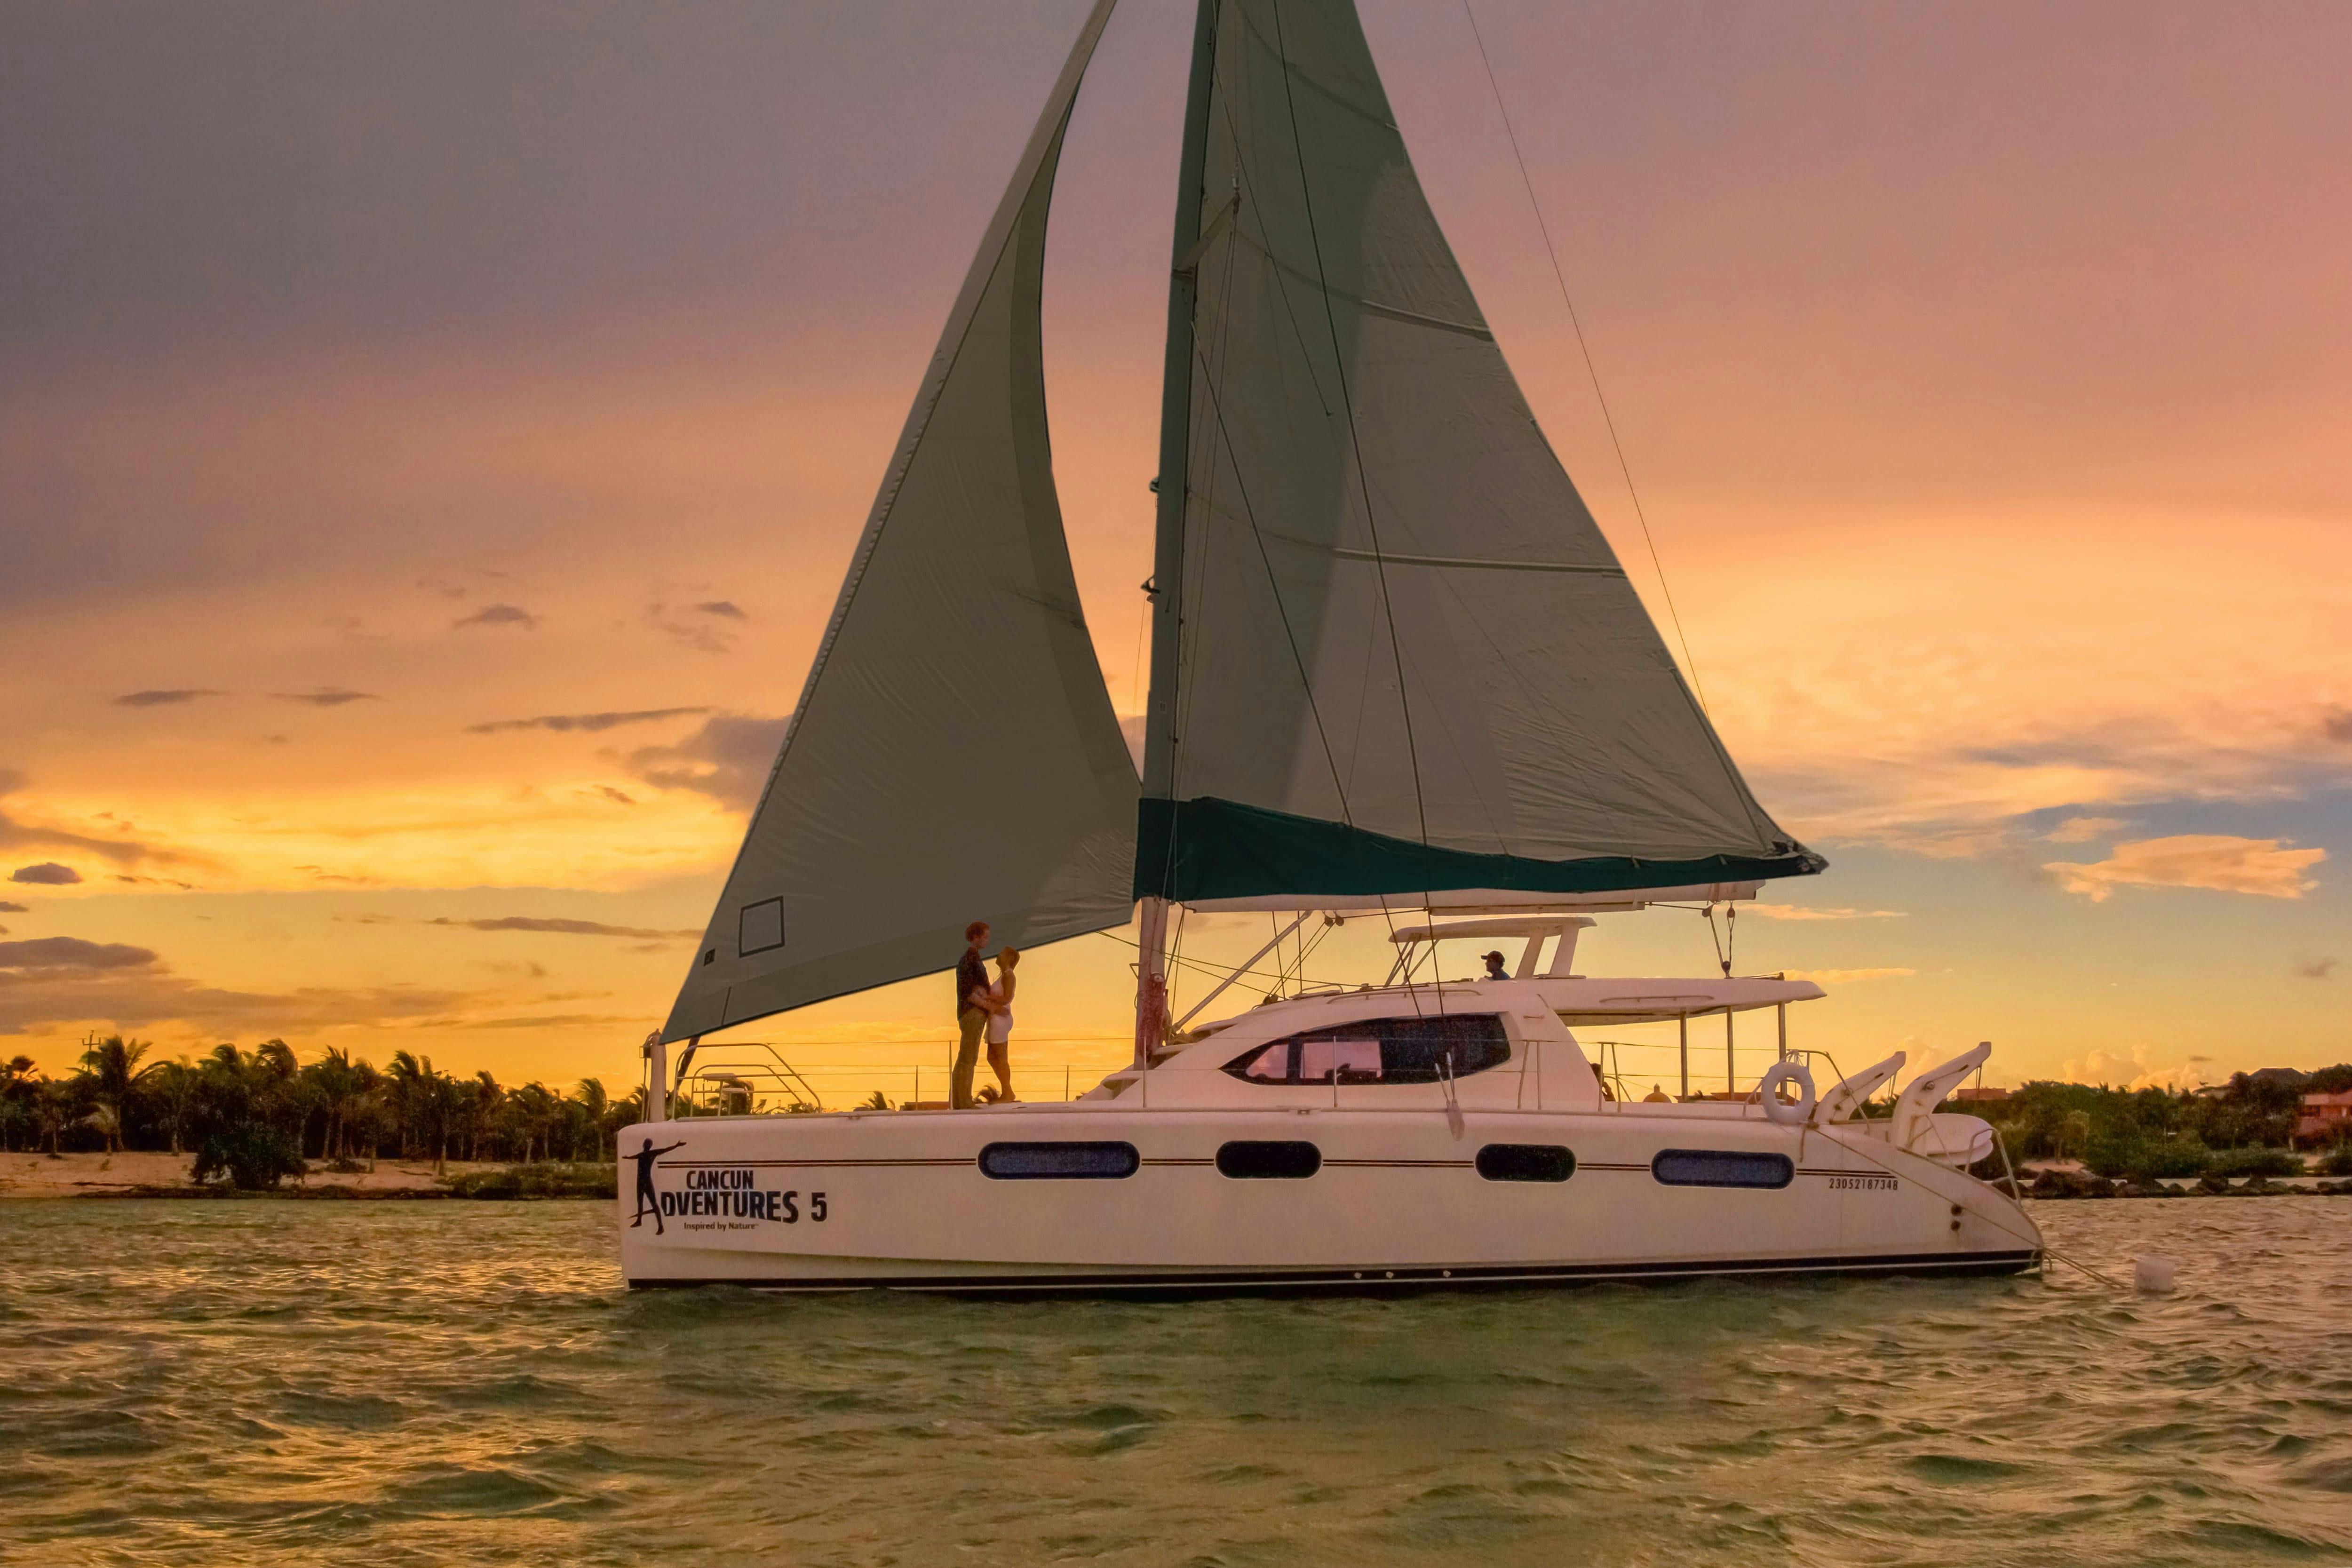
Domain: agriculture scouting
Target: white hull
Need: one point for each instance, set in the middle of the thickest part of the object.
(899, 1200)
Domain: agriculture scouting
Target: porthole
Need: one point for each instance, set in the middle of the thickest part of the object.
(1058, 1162)
(1722, 1168)
(1280, 1160)
(1525, 1162)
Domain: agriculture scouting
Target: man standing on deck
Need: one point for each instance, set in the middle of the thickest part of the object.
(972, 1013)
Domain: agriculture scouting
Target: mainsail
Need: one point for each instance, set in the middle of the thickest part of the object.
(1393, 652)
(954, 754)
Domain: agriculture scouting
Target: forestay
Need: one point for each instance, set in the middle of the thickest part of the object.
(954, 754)
(1408, 659)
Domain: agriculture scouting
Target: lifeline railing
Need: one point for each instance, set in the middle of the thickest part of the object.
(749, 1077)
(742, 1078)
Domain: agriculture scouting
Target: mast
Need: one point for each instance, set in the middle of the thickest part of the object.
(1166, 585)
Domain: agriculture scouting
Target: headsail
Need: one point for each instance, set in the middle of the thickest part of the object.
(1408, 659)
(954, 755)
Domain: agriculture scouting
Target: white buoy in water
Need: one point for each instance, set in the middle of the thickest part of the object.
(2154, 1275)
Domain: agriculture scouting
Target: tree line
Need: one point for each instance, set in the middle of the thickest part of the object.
(254, 1115)
(2242, 1127)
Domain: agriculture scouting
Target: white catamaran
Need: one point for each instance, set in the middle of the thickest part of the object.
(1396, 670)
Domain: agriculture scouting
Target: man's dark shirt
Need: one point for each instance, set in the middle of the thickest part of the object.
(971, 975)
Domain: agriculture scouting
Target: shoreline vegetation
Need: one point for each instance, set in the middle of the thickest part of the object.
(2235, 1139)
(82, 1175)
(247, 1122)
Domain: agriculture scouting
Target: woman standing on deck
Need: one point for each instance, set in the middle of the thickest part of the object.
(1000, 1023)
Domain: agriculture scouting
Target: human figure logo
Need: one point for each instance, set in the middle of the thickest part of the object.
(646, 1202)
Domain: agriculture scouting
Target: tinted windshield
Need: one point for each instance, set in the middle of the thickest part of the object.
(1380, 1050)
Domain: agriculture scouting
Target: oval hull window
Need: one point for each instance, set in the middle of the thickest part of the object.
(1525, 1162)
(1058, 1162)
(1721, 1168)
(1271, 1161)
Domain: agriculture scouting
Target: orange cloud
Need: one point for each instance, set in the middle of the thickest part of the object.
(2083, 829)
(2264, 867)
(1848, 976)
(1805, 912)
(2134, 1071)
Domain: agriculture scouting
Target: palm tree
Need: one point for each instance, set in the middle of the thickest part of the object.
(441, 1107)
(18, 1089)
(593, 1099)
(403, 1087)
(368, 1109)
(627, 1110)
(112, 1065)
(488, 1098)
(427, 1102)
(102, 1120)
(176, 1086)
(337, 1080)
(52, 1111)
(533, 1111)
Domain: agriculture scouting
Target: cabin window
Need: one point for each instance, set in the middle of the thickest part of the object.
(1268, 1063)
(1525, 1162)
(1058, 1162)
(1380, 1050)
(1280, 1160)
(1721, 1168)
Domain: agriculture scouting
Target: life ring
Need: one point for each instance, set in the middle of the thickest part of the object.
(1768, 1094)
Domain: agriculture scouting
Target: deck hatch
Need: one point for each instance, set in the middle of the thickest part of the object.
(1722, 1168)
(1281, 1160)
(1058, 1162)
(1525, 1162)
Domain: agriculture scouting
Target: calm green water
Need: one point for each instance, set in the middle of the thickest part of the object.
(383, 1384)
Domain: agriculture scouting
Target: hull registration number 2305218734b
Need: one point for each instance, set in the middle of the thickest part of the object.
(1862, 1183)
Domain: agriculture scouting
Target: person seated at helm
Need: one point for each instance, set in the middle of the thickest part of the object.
(1495, 971)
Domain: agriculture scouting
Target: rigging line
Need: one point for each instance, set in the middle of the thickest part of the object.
(1245, 188)
(1307, 684)
(1135, 670)
(1198, 965)
(1356, 445)
(1585, 348)
(1355, 437)
(1181, 719)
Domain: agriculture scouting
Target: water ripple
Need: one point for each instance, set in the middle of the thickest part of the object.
(274, 1383)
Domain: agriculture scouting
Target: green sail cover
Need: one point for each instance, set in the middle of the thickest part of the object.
(954, 755)
(1408, 660)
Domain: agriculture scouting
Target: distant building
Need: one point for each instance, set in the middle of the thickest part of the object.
(2326, 1118)
(2282, 1077)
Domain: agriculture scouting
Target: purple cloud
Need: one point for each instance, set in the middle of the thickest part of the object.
(499, 615)
(327, 697)
(164, 698)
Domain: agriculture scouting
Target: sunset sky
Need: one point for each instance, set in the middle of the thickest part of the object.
(431, 437)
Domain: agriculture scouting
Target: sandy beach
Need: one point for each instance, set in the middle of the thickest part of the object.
(89, 1176)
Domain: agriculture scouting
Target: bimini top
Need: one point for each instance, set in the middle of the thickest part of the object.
(1578, 1001)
